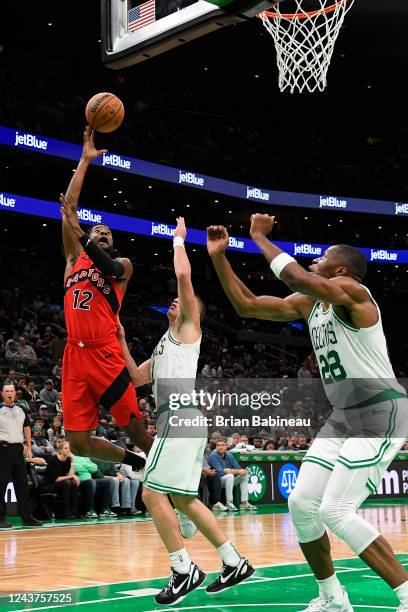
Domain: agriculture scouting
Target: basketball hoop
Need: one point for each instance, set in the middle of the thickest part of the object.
(304, 41)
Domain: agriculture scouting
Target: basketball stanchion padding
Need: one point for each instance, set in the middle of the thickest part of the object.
(304, 40)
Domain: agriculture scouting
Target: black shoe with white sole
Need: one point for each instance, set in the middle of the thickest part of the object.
(180, 585)
(230, 576)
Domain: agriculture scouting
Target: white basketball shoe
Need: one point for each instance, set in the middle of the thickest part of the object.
(327, 605)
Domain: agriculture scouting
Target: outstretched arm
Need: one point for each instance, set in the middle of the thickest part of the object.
(71, 246)
(139, 375)
(188, 304)
(246, 303)
(341, 290)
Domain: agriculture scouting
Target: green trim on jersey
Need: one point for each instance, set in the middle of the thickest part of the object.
(162, 489)
(158, 450)
(173, 340)
(371, 486)
(352, 465)
(383, 396)
(320, 462)
(312, 311)
(350, 327)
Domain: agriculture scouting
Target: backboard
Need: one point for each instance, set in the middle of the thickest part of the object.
(136, 30)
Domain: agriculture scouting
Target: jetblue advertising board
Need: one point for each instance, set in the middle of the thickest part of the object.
(132, 225)
(58, 148)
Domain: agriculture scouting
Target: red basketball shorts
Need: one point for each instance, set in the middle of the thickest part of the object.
(94, 375)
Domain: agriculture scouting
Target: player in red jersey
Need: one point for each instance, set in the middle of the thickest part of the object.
(94, 370)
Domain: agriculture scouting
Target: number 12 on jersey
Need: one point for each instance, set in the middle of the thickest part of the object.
(82, 299)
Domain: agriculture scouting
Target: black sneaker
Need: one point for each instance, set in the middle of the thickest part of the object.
(180, 585)
(5, 524)
(30, 521)
(230, 576)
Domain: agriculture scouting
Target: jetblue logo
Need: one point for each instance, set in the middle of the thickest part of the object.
(116, 161)
(6, 201)
(383, 255)
(307, 249)
(29, 140)
(87, 215)
(257, 194)
(401, 209)
(191, 179)
(287, 479)
(237, 244)
(161, 229)
(332, 202)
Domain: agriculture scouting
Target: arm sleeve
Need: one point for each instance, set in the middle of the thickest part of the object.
(27, 422)
(101, 259)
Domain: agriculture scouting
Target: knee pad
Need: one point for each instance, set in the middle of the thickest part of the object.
(342, 518)
(304, 511)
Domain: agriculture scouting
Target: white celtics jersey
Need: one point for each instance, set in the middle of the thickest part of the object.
(354, 363)
(171, 360)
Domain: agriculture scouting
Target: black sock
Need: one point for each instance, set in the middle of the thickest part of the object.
(134, 460)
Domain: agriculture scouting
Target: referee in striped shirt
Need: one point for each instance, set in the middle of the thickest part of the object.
(13, 424)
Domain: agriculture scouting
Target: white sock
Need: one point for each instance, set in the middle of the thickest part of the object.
(331, 589)
(228, 554)
(402, 592)
(180, 561)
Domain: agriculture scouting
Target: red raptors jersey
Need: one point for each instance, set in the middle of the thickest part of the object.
(92, 302)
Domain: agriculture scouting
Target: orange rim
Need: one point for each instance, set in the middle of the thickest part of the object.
(322, 11)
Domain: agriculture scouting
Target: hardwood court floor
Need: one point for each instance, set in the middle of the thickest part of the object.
(104, 562)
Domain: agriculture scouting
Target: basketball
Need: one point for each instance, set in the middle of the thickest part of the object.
(105, 112)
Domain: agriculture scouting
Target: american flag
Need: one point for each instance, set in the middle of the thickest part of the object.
(140, 16)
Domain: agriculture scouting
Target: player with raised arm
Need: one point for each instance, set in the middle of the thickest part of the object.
(337, 473)
(94, 371)
(174, 463)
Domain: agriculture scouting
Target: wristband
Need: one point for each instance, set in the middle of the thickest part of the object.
(280, 262)
(178, 241)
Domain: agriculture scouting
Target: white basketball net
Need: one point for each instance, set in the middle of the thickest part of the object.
(304, 42)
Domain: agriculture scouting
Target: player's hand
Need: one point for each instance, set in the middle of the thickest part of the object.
(90, 152)
(70, 217)
(121, 332)
(76, 480)
(261, 225)
(181, 228)
(217, 240)
(242, 472)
